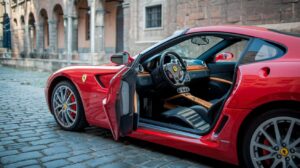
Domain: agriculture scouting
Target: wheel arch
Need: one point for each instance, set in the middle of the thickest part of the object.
(290, 104)
(54, 82)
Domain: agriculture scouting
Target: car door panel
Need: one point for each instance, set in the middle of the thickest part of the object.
(119, 103)
(223, 70)
(221, 76)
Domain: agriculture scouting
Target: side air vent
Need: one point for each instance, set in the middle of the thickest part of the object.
(104, 80)
(222, 124)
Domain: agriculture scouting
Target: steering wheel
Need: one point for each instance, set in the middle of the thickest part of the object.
(173, 72)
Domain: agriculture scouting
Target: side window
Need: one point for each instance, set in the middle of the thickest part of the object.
(235, 49)
(260, 50)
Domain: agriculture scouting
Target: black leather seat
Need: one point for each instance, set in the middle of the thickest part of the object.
(195, 117)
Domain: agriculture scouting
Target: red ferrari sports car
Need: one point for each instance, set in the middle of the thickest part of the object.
(231, 93)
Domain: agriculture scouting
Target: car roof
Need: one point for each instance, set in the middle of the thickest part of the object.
(253, 31)
(291, 43)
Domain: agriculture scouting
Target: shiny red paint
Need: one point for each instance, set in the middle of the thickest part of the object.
(109, 103)
(91, 92)
(257, 84)
(225, 56)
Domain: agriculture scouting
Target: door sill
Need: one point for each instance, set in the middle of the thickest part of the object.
(149, 124)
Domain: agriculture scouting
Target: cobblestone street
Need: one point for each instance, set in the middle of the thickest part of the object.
(30, 137)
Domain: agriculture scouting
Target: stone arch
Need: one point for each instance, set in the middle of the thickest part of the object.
(44, 28)
(58, 28)
(32, 31)
(31, 13)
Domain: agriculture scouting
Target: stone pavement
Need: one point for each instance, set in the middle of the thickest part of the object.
(29, 136)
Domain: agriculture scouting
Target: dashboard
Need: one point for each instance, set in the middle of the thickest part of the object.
(196, 68)
(153, 62)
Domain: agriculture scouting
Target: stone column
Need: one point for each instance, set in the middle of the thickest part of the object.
(52, 35)
(92, 30)
(75, 33)
(30, 39)
(39, 42)
(23, 39)
(69, 39)
(64, 54)
(126, 12)
(26, 40)
(99, 32)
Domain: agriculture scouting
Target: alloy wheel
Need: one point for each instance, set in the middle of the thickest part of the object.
(64, 106)
(276, 143)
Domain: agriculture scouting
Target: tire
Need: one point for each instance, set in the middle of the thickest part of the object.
(262, 147)
(67, 108)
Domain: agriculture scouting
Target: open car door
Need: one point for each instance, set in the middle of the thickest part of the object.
(120, 105)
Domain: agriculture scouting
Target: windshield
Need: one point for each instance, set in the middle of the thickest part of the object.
(194, 47)
(174, 35)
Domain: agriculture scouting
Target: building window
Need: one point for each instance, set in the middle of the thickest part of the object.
(16, 22)
(153, 16)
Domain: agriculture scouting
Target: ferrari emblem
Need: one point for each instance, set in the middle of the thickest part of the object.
(65, 106)
(284, 152)
(175, 68)
(83, 78)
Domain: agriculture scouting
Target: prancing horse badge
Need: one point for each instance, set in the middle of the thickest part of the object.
(175, 68)
(83, 78)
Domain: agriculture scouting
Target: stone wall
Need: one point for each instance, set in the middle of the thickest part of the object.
(49, 65)
(180, 14)
(247, 12)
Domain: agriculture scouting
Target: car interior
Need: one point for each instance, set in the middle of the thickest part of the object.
(185, 83)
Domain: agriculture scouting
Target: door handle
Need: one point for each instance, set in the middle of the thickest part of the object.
(264, 72)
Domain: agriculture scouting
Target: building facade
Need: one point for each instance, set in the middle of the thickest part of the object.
(2, 11)
(71, 30)
(180, 14)
(49, 34)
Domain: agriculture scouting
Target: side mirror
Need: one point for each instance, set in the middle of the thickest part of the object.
(225, 56)
(120, 58)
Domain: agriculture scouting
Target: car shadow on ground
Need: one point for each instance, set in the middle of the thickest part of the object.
(164, 150)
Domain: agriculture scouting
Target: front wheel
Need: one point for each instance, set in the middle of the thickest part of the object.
(273, 140)
(67, 107)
